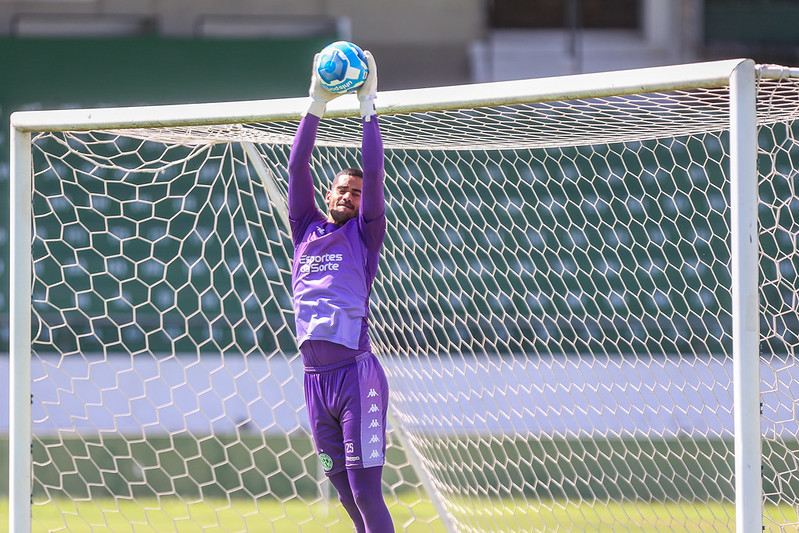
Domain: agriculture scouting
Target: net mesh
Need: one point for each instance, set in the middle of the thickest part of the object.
(552, 309)
(778, 219)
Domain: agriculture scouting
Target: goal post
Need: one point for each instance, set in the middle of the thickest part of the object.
(578, 279)
(19, 460)
(746, 310)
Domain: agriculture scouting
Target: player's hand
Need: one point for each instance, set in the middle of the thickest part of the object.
(319, 95)
(368, 91)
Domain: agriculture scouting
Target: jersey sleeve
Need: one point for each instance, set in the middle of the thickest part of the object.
(301, 202)
(373, 201)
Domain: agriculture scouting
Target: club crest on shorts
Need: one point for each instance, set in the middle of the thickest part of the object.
(327, 462)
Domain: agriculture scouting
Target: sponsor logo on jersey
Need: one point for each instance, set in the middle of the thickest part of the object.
(320, 263)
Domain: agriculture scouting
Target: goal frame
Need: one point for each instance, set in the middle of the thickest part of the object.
(740, 75)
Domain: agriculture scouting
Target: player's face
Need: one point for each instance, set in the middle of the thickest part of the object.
(344, 199)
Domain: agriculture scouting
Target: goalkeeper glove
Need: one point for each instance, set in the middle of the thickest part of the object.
(319, 95)
(368, 91)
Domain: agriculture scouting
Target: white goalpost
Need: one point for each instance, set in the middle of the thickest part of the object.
(586, 307)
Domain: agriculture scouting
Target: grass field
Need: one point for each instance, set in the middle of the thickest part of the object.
(212, 515)
(663, 468)
(409, 516)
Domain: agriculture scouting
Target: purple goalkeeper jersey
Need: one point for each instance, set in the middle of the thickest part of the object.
(334, 266)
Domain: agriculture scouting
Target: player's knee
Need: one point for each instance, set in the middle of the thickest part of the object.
(368, 499)
(347, 499)
(367, 505)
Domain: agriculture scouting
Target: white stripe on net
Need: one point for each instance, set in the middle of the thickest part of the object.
(547, 124)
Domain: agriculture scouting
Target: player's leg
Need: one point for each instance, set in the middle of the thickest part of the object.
(341, 483)
(363, 422)
(367, 491)
(328, 439)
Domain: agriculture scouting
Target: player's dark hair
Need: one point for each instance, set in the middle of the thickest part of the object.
(358, 173)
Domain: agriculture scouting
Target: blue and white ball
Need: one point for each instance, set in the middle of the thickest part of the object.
(341, 67)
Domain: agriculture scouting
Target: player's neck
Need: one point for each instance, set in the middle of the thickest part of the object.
(331, 220)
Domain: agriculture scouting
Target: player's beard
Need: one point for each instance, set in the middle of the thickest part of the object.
(341, 214)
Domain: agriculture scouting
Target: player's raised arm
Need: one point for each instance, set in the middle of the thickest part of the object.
(301, 192)
(373, 207)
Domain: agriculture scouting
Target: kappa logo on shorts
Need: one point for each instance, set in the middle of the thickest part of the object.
(374, 424)
(372, 393)
(327, 462)
(374, 408)
(375, 454)
(374, 439)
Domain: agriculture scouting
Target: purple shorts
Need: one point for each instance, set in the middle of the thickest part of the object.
(347, 404)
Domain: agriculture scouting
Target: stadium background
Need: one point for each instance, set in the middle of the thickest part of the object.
(149, 61)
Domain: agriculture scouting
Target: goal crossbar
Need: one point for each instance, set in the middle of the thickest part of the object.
(594, 85)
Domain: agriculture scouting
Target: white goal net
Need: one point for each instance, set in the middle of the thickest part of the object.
(554, 310)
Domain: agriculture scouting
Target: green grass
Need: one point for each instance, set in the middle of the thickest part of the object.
(217, 515)
(213, 515)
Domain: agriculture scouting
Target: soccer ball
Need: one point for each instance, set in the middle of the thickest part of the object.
(341, 67)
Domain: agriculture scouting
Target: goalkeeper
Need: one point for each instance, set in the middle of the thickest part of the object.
(335, 262)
